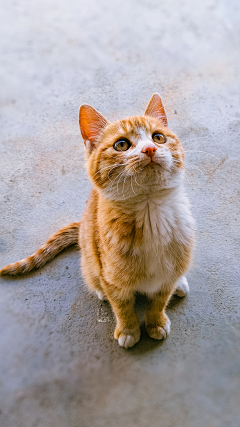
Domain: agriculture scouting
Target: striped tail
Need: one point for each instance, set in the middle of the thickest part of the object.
(65, 237)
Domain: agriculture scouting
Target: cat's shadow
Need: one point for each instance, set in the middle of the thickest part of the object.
(146, 344)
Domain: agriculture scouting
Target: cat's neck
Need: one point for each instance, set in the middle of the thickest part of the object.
(158, 196)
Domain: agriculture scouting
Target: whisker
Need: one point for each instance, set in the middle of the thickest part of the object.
(187, 175)
(115, 180)
(200, 151)
(141, 169)
(122, 164)
(195, 167)
(107, 167)
(100, 170)
(132, 185)
(121, 174)
(136, 179)
(123, 185)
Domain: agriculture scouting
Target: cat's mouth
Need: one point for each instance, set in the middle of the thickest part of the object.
(155, 162)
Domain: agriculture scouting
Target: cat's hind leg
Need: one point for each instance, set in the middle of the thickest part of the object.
(91, 273)
(182, 287)
(101, 295)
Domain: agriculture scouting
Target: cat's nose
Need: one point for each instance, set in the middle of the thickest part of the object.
(149, 150)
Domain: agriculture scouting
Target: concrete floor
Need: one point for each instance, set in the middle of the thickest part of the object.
(60, 366)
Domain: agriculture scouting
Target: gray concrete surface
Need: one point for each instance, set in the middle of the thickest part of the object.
(60, 366)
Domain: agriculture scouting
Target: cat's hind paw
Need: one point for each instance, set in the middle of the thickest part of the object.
(101, 295)
(129, 338)
(159, 332)
(182, 288)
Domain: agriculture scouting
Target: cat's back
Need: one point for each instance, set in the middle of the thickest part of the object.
(88, 229)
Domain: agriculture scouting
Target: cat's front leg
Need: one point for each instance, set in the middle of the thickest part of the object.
(156, 321)
(127, 330)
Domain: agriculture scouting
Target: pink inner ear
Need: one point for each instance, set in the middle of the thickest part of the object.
(91, 123)
(155, 109)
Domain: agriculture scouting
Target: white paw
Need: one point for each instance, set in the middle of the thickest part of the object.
(101, 295)
(128, 340)
(182, 288)
(160, 332)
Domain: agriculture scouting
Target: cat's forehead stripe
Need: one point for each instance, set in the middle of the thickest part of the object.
(129, 127)
(135, 126)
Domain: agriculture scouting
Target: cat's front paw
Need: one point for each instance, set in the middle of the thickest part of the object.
(182, 288)
(159, 332)
(128, 337)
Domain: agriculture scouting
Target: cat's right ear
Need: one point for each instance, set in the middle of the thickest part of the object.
(91, 124)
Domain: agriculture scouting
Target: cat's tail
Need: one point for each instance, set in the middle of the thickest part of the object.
(65, 237)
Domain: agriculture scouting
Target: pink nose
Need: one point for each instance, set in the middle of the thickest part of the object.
(149, 150)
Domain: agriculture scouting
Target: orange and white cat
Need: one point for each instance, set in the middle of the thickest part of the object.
(137, 232)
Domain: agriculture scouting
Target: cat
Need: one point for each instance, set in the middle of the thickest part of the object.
(136, 234)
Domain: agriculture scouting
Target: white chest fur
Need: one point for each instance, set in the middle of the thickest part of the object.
(163, 218)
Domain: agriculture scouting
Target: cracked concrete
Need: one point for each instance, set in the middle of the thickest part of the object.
(60, 365)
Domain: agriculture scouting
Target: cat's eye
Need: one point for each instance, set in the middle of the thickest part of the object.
(159, 138)
(122, 145)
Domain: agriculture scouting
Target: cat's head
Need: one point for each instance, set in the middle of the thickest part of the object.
(134, 156)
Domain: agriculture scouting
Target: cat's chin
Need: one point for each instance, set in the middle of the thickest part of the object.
(158, 165)
(148, 186)
(153, 165)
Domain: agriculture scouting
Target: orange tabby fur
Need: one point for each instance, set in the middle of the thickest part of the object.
(136, 232)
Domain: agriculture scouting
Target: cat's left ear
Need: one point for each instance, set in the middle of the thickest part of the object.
(91, 124)
(155, 109)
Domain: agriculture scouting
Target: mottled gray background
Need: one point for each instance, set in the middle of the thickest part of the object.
(60, 366)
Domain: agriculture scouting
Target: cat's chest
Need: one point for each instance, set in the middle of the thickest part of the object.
(163, 225)
(166, 230)
(160, 222)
